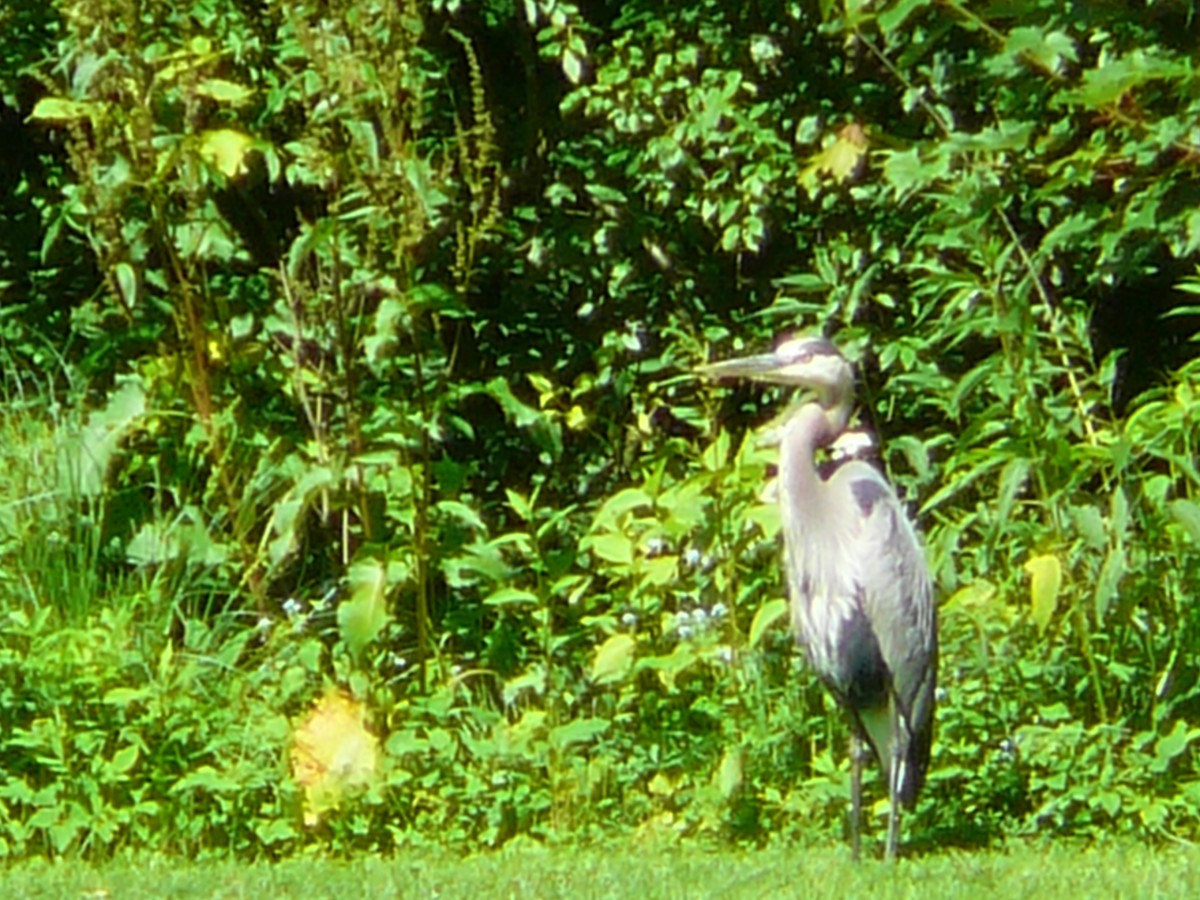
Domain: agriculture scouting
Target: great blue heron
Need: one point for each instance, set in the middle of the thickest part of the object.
(861, 600)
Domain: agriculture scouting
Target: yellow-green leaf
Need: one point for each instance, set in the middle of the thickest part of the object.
(613, 659)
(613, 548)
(60, 109)
(225, 150)
(364, 614)
(224, 91)
(840, 160)
(766, 616)
(728, 777)
(1045, 574)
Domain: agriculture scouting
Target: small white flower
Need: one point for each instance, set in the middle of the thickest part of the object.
(692, 557)
(685, 632)
(764, 49)
(263, 624)
(725, 655)
(629, 620)
(699, 616)
(292, 607)
(655, 546)
(720, 610)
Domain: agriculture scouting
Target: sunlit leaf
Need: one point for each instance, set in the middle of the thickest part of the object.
(578, 731)
(332, 754)
(86, 456)
(224, 91)
(1187, 514)
(1045, 573)
(613, 548)
(766, 616)
(1108, 582)
(225, 150)
(363, 615)
(613, 659)
(60, 109)
(728, 777)
(510, 596)
(840, 160)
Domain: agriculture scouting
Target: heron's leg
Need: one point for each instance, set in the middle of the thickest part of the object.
(895, 779)
(856, 763)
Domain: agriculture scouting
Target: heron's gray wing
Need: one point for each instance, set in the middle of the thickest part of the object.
(896, 595)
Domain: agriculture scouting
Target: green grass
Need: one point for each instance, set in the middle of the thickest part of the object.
(1052, 871)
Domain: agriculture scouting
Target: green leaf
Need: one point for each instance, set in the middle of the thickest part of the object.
(1089, 523)
(613, 659)
(225, 150)
(766, 616)
(613, 548)
(1114, 77)
(87, 455)
(1045, 574)
(1187, 514)
(1108, 582)
(510, 596)
(364, 614)
(123, 696)
(123, 760)
(1169, 746)
(223, 91)
(61, 109)
(577, 731)
(728, 776)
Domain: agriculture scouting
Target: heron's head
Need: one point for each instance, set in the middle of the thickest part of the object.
(811, 363)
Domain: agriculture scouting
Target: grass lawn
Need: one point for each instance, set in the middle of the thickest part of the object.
(1057, 872)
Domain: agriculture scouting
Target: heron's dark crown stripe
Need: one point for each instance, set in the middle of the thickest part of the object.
(816, 346)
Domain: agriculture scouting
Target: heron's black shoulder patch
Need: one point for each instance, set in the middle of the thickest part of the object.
(867, 492)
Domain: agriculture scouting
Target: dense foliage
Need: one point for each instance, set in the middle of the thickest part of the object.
(348, 345)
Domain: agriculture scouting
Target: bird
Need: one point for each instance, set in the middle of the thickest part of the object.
(860, 594)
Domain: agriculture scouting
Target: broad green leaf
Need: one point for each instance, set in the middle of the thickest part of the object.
(123, 760)
(1187, 514)
(86, 456)
(840, 160)
(123, 696)
(61, 109)
(1012, 481)
(1169, 746)
(894, 16)
(613, 659)
(1108, 582)
(1047, 49)
(1113, 77)
(511, 596)
(728, 776)
(577, 731)
(1089, 523)
(127, 283)
(766, 616)
(613, 548)
(225, 150)
(363, 615)
(1045, 575)
(224, 91)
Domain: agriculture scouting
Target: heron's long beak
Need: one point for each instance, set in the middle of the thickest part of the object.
(764, 367)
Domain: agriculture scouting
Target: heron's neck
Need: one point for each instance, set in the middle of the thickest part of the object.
(813, 427)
